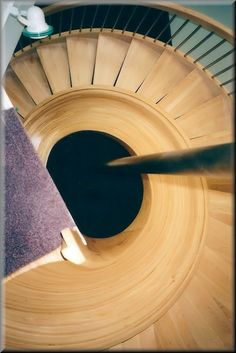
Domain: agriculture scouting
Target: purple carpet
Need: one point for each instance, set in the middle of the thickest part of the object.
(34, 210)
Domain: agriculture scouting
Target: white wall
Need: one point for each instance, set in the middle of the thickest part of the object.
(10, 34)
(220, 12)
(11, 30)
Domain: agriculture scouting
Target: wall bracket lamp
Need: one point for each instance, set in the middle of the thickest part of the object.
(35, 24)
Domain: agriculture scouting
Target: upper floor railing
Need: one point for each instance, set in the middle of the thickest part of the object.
(197, 36)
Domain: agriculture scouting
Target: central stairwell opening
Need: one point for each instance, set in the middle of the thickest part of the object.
(101, 203)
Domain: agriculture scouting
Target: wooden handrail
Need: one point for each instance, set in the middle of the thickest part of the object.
(186, 13)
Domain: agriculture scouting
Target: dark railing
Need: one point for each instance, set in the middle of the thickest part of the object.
(136, 19)
(206, 47)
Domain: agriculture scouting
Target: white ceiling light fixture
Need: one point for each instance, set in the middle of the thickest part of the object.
(36, 26)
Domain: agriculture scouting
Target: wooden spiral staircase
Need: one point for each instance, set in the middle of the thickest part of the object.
(152, 98)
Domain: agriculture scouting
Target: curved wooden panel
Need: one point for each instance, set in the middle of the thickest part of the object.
(17, 93)
(111, 52)
(138, 63)
(169, 69)
(54, 60)
(82, 54)
(210, 117)
(215, 138)
(195, 89)
(30, 72)
(132, 279)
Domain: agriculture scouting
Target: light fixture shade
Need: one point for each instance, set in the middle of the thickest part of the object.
(36, 26)
(37, 35)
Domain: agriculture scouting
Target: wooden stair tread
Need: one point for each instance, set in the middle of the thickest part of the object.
(221, 184)
(216, 269)
(81, 54)
(213, 327)
(221, 296)
(145, 340)
(194, 321)
(215, 138)
(181, 329)
(210, 117)
(54, 60)
(168, 70)
(138, 63)
(17, 93)
(220, 222)
(216, 275)
(195, 89)
(174, 339)
(221, 206)
(220, 239)
(111, 52)
(30, 72)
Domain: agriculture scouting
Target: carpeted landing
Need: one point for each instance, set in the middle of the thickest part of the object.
(35, 213)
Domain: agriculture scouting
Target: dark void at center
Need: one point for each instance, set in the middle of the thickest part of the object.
(102, 203)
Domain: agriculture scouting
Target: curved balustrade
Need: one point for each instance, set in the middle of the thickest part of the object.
(199, 37)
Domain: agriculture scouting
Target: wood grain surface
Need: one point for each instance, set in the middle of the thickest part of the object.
(82, 55)
(165, 283)
(122, 284)
(29, 70)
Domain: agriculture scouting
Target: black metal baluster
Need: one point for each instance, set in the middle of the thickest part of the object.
(222, 71)
(154, 24)
(188, 37)
(176, 32)
(71, 19)
(94, 17)
(199, 43)
(60, 23)
(165, 28)
(219, 59)
(82, 19)
(210, 50)
(141, 22)
(130, 18)
(118, 17)
(21, 46)
(105, 18)
(226, 82)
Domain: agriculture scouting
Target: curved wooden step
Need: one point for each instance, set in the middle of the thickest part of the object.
(208, 118)
(215, 138)
(54, 60)
(82, 54)
(17, 93)
(138, 63)
(195, 89)
(206, 321)
(221, 184)
(202, 316)
(30, 72)
(168, 70)
(111, 52)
